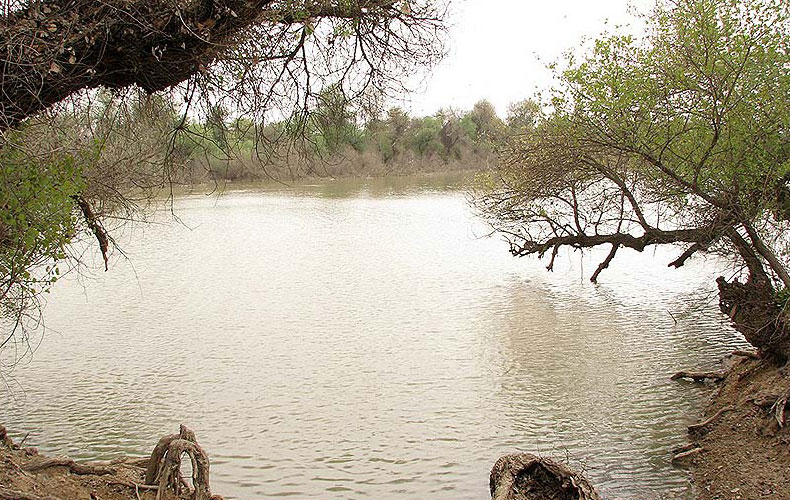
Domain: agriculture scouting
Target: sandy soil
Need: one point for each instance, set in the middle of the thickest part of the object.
(745, 454)
(26, 475)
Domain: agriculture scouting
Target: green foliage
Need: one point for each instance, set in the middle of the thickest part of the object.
(782, 297)
(686, 128)
(37, 221)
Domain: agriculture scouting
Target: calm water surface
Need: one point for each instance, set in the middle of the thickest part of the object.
(361, 340)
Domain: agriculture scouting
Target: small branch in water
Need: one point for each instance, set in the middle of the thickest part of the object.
(699, 376)
(685, 447)
(603, 265)
(686, 454)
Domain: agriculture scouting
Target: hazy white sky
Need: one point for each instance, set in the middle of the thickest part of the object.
(498, 49)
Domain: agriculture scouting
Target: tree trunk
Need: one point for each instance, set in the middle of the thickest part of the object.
(527, 477)
(753, 309)
(54, 48)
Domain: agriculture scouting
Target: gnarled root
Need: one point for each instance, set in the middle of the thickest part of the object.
(527, 477)
(164, 466)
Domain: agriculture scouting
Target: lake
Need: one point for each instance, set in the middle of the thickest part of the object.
(364, 339)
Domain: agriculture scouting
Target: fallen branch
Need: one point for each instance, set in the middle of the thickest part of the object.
(686, 454)
(74, 467)
(700, 426)
(699, 376)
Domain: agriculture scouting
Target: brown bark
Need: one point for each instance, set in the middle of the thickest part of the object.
(164, 466)
(158, 454)
(755, 313)
(53, 48)
(527, 477)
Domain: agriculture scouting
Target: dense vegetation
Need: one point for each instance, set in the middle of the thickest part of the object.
(336, 142)
(105, 104)
(677, 138)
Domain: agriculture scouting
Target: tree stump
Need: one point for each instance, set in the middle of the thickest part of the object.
(164, 466)
(527, 477)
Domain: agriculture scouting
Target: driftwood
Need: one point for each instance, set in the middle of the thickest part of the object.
(164, 466)
(527, 477)
(699, 376)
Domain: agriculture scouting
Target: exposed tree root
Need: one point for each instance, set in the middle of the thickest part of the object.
(4, 439)
(137, 486)
(685, 454)
(7, 494)
(699, 376)
(164, 466)
(74, 467)
(527, 477)
(700, 427)
(780, 406)
(685, 447)
(747, 354)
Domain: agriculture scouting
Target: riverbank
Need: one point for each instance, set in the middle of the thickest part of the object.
(738, 452)
(27, 475)
(743, 451)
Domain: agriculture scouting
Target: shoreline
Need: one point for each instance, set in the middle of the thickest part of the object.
(738, 451)
(743, 450)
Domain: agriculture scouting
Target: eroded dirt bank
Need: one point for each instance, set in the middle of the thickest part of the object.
(27, 475)
(742, 451)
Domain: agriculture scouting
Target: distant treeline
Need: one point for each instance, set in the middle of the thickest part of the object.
(333, 141)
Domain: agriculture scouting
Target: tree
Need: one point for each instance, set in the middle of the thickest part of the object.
(678, 139)
(99, 101)
(522, 116)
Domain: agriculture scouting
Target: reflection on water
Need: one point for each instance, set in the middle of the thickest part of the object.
(358, 340)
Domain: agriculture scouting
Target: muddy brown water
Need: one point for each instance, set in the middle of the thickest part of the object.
(361, 340)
